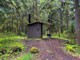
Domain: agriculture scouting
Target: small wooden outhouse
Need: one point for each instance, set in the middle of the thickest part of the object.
(34, 30)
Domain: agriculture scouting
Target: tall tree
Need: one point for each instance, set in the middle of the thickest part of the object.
(77, 21)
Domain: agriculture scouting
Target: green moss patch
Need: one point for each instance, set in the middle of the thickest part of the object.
(27, 56)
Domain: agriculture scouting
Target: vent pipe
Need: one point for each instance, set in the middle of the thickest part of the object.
(29, 18)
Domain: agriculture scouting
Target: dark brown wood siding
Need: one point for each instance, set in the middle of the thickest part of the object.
(34, 30)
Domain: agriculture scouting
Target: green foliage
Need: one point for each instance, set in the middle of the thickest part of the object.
(27, 56)
(70, 38)
(33, 38)
(65, 36)
(41, 1)
(10, 42)
(60, 36)
(7, 34)
(4, 57)
(23, 34)
(73, 46)
(45, 36)
(17, 44)
(72, 49)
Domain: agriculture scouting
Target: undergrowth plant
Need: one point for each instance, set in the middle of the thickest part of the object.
(27, 56)
(72, 49)
(7, 34)
(10, 44)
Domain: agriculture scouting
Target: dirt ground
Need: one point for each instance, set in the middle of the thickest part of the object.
(49, 49)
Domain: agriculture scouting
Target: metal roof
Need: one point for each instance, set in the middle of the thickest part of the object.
(40, 23)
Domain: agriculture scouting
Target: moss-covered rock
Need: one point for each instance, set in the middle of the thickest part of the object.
(16, 49)
(3, 51)
(34, 50)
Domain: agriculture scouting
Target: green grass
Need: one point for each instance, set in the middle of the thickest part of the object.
(60, 37)
(34, 39)
(7, 34)
(27, 56)
(10, 38)
(8, 41)
(71, 39)
(55, 35)
(75, 47)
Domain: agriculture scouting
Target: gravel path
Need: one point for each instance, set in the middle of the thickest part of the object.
(49, 49)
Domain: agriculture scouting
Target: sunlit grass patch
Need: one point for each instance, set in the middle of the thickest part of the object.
(10, 38)
(10, 41)
(55, 35)
(34, 39)
(45, 36)
(11, 44)
(27, 56)
(61, 36)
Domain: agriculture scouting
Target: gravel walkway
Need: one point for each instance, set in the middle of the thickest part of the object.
(49, 49)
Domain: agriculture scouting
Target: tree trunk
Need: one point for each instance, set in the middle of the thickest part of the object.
(36, 11)
(77, 21)
(22, 25)
(12, 23)
(61, 23)
(33, 10)
(17, 26)
(67, 21)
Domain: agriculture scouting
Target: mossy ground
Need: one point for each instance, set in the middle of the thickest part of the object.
(13, 40)
(7, 42)
(70, 38)
(27, 56)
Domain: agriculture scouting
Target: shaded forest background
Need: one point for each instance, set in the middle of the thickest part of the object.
(14, 15)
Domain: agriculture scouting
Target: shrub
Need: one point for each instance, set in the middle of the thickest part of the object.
(70, 48)
(16, 49)
(10, 44)
(23, 34)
